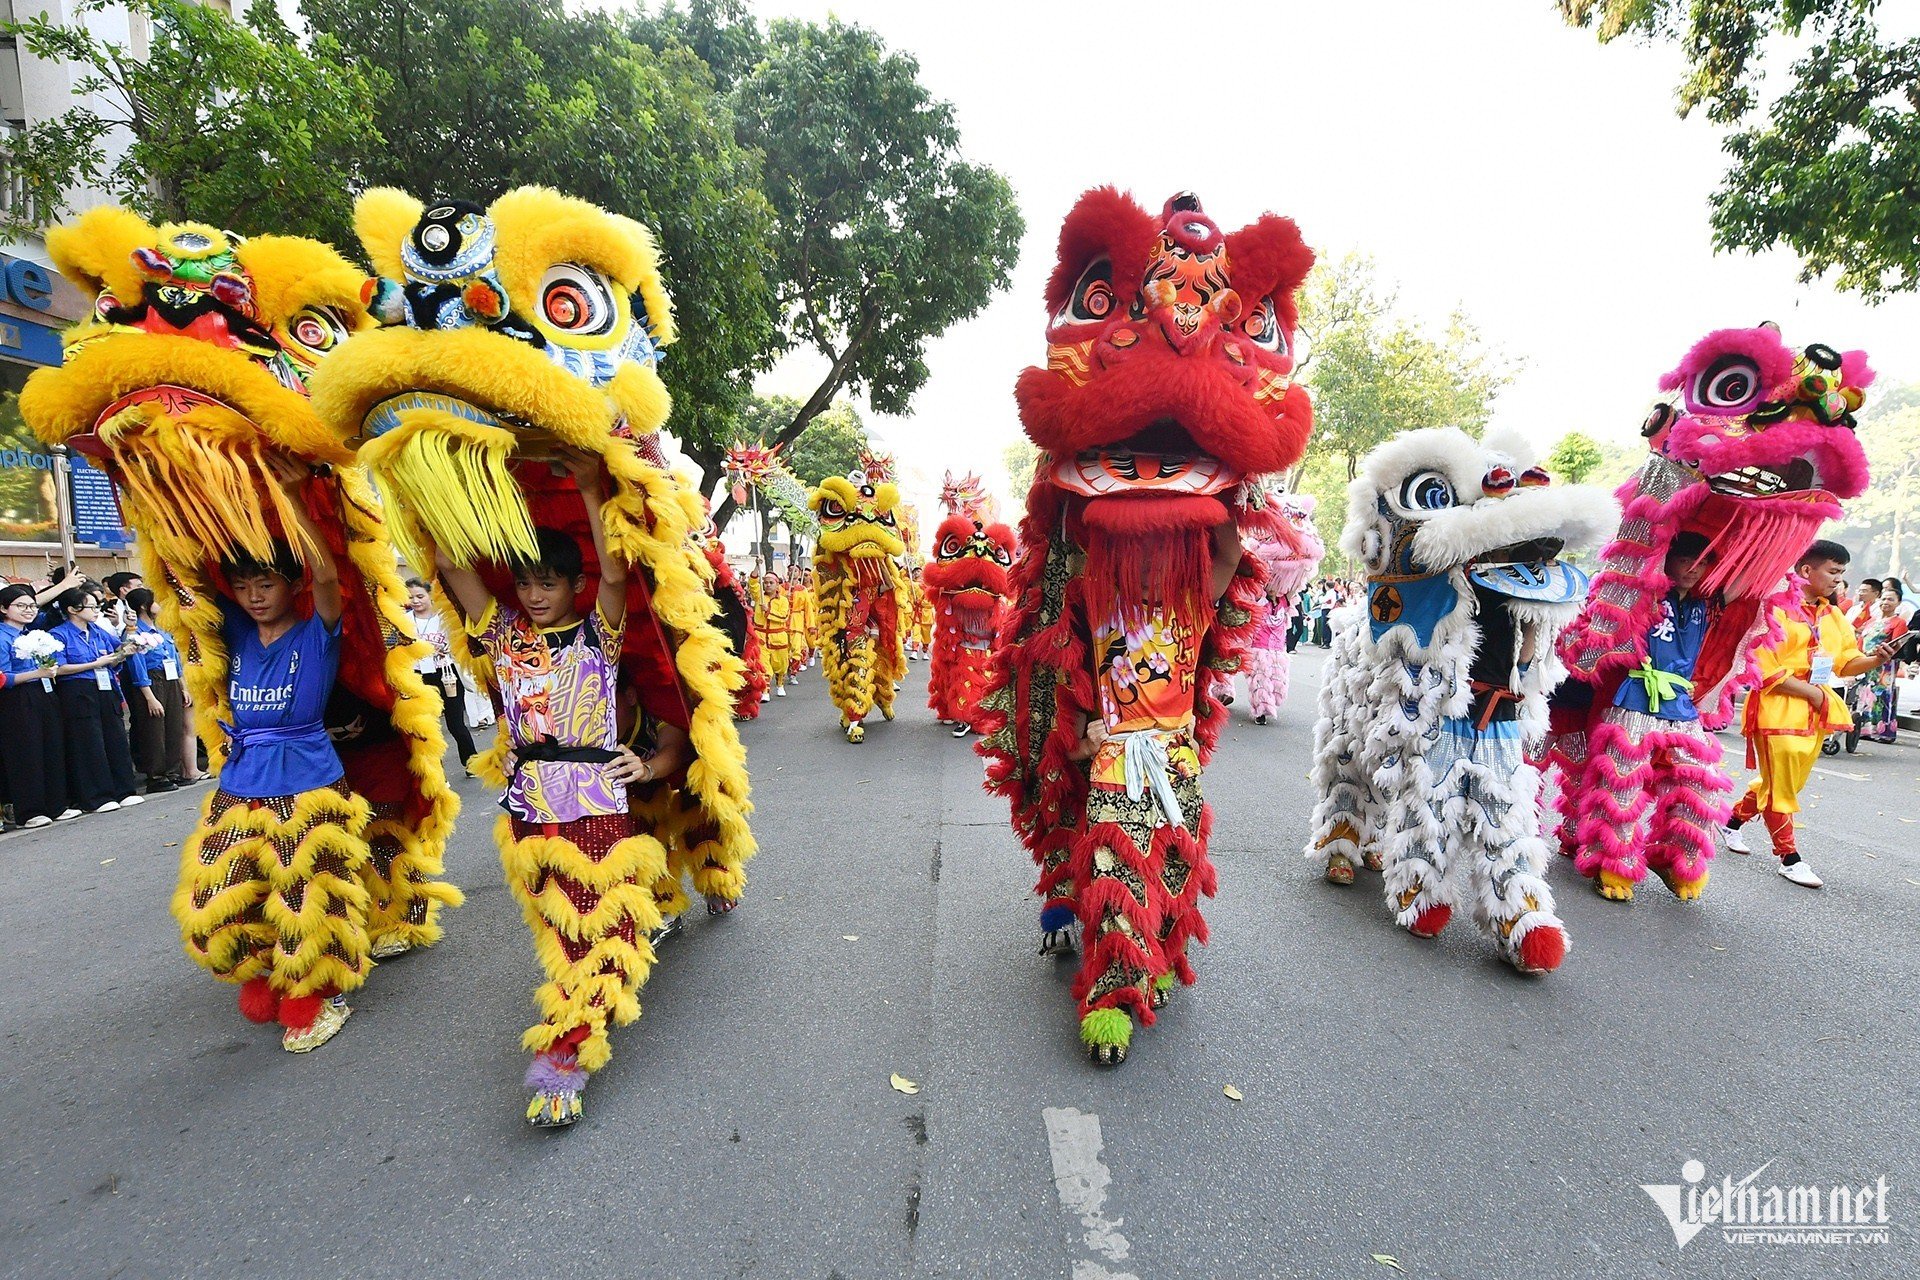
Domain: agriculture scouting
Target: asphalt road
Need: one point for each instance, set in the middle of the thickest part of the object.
(1414, 1101)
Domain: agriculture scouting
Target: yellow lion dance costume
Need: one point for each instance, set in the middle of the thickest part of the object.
(862, 595)
(515, 334)
(186, 383)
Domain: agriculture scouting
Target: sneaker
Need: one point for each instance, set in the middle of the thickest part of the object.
(66, 815)
(127, 802)
(1735, 842)
(108, 807)
(37, 820)
(780, 691)
(1800, 873)
(962, 729)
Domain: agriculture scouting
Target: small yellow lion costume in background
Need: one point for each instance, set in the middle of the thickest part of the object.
(513, 331)
(190, 372)
(862, 595)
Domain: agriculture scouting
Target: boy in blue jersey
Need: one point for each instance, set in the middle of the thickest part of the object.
(270, 894)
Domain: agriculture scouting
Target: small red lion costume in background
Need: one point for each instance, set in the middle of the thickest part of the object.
(1166, 396)
(967, 582)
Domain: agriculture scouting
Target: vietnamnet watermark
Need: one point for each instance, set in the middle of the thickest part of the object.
(1752, 1212)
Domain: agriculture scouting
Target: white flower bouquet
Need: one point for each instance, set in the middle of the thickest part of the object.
(145, 641)
(40, 649)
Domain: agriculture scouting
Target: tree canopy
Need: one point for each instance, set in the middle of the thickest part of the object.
(1829, 165)
(239, 124)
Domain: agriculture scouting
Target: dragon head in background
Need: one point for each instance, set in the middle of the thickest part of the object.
(761, 467)
(507, 332)
(1170, 353)
(966, 496)
(1288, 546)
(1751, 446)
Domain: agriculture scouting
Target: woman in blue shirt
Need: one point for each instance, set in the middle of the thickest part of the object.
(156, 701)
(100, 773)
(33, 749)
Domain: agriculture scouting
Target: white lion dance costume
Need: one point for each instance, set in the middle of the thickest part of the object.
(514, 333)
(1433, 687)
(863, 595)
(1289, 548)
(1750, 451)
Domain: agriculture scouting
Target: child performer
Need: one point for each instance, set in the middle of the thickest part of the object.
(582, 877)
(1796, 707)
(270, 891)
(1661, 815)
(775, 616)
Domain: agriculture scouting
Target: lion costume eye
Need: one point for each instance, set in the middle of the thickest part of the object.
(1731, 382)
(318, 329)
(1426, 491)
(1262, 327)
(950, 547)
(830, 509)
(577, 302)
(1092, 300)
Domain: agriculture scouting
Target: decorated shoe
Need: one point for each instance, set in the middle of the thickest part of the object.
(1106, 1033)
(669, 928)
(1684, 889)
(1162, 991)
(1339, 869)
(1613, 886)
(559, 1088)
(327, 1021)
(389, 945)
(856, 733)
(720, 906)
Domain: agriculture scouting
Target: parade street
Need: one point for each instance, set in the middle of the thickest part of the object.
(1403, 1107)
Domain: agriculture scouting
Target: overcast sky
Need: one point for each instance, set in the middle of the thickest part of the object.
(1488, 156)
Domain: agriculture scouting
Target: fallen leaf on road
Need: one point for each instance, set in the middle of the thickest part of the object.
(1719, 948)
(1870, 855)
(1387, 1260)
(172, 844)
(903, 1084)
(1907, 819)
(105, 861)
(851, 937)
(1234, 1093)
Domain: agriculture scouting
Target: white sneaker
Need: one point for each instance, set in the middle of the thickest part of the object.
(780, 691)
(131, 801)
(766, 697)
(1800, 873)
(66, 815)
(108, 807)
(37, 820)
(1736, 843)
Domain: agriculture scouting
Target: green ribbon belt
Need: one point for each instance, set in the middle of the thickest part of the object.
(1661, 686)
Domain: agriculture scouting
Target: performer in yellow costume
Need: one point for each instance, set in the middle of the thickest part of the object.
(774, 614)
(1798, 704)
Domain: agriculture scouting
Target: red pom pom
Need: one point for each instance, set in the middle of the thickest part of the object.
(1430, 922)
(259, 1002)
(1542, 950)
(298, 1012)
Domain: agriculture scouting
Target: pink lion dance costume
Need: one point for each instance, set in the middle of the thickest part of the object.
(1290, 550)
(967, 585)
(1750, 452)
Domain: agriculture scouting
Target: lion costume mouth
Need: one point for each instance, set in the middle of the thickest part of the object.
(1801, 476)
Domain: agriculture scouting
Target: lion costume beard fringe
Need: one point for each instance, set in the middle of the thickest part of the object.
(460, 402)
(182, 394)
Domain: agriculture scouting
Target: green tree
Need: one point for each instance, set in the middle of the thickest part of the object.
(1828, 166)
(830, 446)
(1887, 516)
(236, 124)
(1575, 457)
(884, 235)
(1022, 459)
(478, 96)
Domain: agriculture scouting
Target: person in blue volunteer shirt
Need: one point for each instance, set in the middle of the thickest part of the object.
(156, 698)
(100, 775)
(270, 894)
(33, 751)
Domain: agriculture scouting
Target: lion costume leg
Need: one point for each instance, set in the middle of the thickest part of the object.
(1117, 864)
(585, 889)
(1690, 803)
(403, 877)
(1493, 810)
(850, 679)
(270, 896)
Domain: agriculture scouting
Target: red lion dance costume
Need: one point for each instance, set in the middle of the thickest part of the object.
(967, 583)
(1751, 451)
(1167, 392)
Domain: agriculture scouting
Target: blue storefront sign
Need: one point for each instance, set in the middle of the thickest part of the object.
(28, 495)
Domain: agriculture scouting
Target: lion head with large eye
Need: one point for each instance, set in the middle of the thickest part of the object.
(532, 324)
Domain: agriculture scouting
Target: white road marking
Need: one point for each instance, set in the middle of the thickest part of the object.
(1081, 1178)
(1835, 773)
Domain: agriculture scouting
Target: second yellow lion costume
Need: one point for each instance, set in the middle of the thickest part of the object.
(862, 594)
